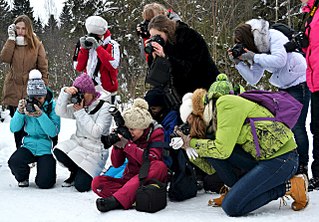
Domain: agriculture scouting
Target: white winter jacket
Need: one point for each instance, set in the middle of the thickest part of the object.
(85, 147)
(288, 69)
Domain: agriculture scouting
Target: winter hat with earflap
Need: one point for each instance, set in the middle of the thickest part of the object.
(85, 84)
(96, 25)
(36, 86)
(138, 116)
(220, 87)
(186, 107)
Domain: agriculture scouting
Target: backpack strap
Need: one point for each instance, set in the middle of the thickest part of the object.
(254, 132)
(98, 107)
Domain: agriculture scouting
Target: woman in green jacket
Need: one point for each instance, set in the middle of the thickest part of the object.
(270, 175)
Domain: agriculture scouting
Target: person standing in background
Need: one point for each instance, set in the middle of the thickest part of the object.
(99, 55)
(312, 74)
(23, 51)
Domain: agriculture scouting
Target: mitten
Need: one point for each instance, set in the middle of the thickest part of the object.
(82, 43)
(234, 60)
(249, 55)
(122, 143)
(191, 153)
(21, 106)
(12, 32)
(94, 42)
(176, 143)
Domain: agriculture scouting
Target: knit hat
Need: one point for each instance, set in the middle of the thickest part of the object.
(96, 25)
(155, 97)
(186, 107)
(220, 87)
(85, 84)
(36, 86)
(138, 117)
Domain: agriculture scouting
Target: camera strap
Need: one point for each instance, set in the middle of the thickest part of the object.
(98, 107)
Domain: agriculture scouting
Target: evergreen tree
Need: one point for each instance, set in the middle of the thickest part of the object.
(21, 7)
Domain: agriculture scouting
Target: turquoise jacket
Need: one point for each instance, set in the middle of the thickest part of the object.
(274, 138)
(38, 129)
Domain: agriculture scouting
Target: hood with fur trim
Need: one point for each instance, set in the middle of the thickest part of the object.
(260, 30)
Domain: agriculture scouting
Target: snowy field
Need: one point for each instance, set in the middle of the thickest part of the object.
(66, 204)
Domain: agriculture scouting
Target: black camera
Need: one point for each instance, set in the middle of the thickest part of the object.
(297, 42)
(156, 38)
(143, 32)
(185, 128)
(238, 50)
(112, 138)
(77, 98)
(89, 44)
(30, 102)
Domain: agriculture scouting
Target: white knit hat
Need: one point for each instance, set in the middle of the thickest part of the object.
(96, 25)
(138, 116)
(187, 106)
(36, 86)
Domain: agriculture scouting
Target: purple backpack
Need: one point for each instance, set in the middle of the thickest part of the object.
(282, 105)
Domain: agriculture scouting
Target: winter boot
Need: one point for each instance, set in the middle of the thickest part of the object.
(313, 184)
(217, 202)
(70, 181)
(299, 191)
(24, 183)
(107, 204)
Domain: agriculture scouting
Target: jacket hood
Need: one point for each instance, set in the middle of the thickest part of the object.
(260, 30)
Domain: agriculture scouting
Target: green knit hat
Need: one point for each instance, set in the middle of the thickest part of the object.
(220, 87)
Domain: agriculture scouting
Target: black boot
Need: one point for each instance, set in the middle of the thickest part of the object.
(70, 181)
(107, 204)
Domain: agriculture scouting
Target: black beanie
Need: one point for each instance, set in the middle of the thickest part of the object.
(155, 97)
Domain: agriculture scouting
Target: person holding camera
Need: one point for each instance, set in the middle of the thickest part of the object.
(22, 45)
(83, 154)
(185, 49)
(99, 55)
(120, 193)
(262, 49)
(37, 116)
(150, 11)
(267, 176)
(312, 72)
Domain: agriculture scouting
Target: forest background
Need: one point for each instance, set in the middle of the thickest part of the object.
(214, 19)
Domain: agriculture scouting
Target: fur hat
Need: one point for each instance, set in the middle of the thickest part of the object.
(220, 87)
(138, 116)
(186, 107)
(36, 86)
(260, 31)
(198, 100)
(85, 84)
(96, 25)
(155, 97)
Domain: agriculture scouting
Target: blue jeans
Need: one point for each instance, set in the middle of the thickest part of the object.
(314, 127)
(263, 183)
(302, 94)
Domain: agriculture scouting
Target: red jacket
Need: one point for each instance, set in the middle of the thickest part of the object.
(133, 151)
(106, 54)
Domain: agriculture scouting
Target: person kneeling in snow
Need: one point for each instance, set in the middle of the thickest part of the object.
(83, 154)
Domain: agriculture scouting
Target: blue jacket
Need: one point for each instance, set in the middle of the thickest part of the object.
(38, 129)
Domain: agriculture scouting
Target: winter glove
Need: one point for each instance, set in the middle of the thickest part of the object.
(36, 113)
(249, 56)
(191, 153)
(82, 43)
(12, 32)
(121, 143)
(94, 42)
(176, 143)
(234, 60)
(21, 106)
(186, 138)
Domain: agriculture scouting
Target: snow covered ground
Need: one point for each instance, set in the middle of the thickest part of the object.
(66, 204)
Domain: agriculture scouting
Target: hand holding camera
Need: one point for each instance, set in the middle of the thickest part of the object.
(12, 32)
(32, 107)
(142, 29)
(82, 43)
(90, 41)
(21, 106)
(186, 138)
(121, 143)
(149, 48)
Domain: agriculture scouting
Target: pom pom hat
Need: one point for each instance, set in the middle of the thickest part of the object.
(85, 84)
(138, 117)
(96, 25)
(36, 86)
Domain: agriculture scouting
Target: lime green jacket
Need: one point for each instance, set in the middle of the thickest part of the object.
(274, 138)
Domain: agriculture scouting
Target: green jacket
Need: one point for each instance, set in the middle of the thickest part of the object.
(274, 138)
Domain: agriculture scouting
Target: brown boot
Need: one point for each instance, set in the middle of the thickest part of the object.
(217, 202)
(299, 192)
